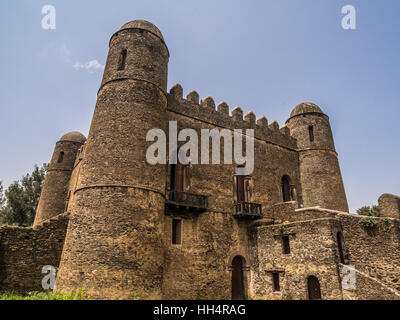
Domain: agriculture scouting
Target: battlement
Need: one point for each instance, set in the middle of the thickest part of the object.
(207, 111)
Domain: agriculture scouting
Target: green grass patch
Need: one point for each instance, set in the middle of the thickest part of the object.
(48, 295)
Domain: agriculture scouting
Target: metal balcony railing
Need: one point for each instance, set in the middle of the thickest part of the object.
(247, 209)
(187, 200)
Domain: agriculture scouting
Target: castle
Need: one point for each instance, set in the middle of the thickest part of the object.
(118, 227)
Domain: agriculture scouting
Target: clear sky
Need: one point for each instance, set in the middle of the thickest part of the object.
(265, 56)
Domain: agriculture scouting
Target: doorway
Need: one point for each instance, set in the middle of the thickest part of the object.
(238, 292)
(314, 288)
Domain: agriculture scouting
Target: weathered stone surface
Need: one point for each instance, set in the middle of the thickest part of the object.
(25, 251)
(389, 205)
(118, 243)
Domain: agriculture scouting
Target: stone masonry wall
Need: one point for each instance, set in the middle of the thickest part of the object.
(271, 162)
(313, 252)
(199, 267)
(368, 288)
(374, 251)
(25, 251)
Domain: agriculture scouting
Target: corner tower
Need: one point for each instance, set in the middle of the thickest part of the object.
(320, 175)
(54, 192)
(113, 247)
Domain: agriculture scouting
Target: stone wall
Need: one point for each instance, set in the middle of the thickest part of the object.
(271, 162)
(25, 251)
(313, 252)
(199, 267)
(374, 251)
(368, 288)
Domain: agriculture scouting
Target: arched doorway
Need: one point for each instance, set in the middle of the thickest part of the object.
(285, 189)
(238, 292)
(314, 288)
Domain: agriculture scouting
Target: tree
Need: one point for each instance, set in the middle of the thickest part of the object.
(369, 211)
(22, 198)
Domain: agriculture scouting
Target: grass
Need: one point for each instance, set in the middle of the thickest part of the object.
(48, 295)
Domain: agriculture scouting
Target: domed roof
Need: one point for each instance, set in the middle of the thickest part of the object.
(74, 136)
(305, 107)
(145, 25)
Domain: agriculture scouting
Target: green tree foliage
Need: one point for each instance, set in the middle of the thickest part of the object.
(21, 198)
(369, 211)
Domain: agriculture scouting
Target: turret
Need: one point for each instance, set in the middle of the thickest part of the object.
(389, 205)
(54, 192)
(320, 175)
(113, 246)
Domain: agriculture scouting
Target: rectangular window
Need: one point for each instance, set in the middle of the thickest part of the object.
(311, 133)
(122, 60)
(275, 282)
(286, 245)
(61, 157)
(176, 231)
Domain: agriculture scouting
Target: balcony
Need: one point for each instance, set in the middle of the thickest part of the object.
(186, 200)
(247, 210)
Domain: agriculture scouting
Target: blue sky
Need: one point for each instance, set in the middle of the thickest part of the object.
(265, 56)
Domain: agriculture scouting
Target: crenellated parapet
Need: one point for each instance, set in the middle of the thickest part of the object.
(207, 111)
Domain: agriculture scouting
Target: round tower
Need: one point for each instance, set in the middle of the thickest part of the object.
(113, 247)
(55, 187)
(320, 175)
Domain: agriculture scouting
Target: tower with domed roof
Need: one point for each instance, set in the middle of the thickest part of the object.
(114, 236)
(55, 188)
(320, 175)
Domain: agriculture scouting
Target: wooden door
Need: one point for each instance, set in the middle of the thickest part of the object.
(179, 181)
(240, 189)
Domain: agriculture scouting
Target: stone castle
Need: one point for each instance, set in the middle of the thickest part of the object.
(118, 227)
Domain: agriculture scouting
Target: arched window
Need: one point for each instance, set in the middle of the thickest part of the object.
(311, 133)
(314, 288)
(340, 243)
(61, 157)
(238, 292)
(286, 189)
(122, 60)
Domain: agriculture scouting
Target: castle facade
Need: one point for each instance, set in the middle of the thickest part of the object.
(118, 227)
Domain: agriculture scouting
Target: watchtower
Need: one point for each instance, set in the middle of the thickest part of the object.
(320, 175)
(114, 238)
(55, 187)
